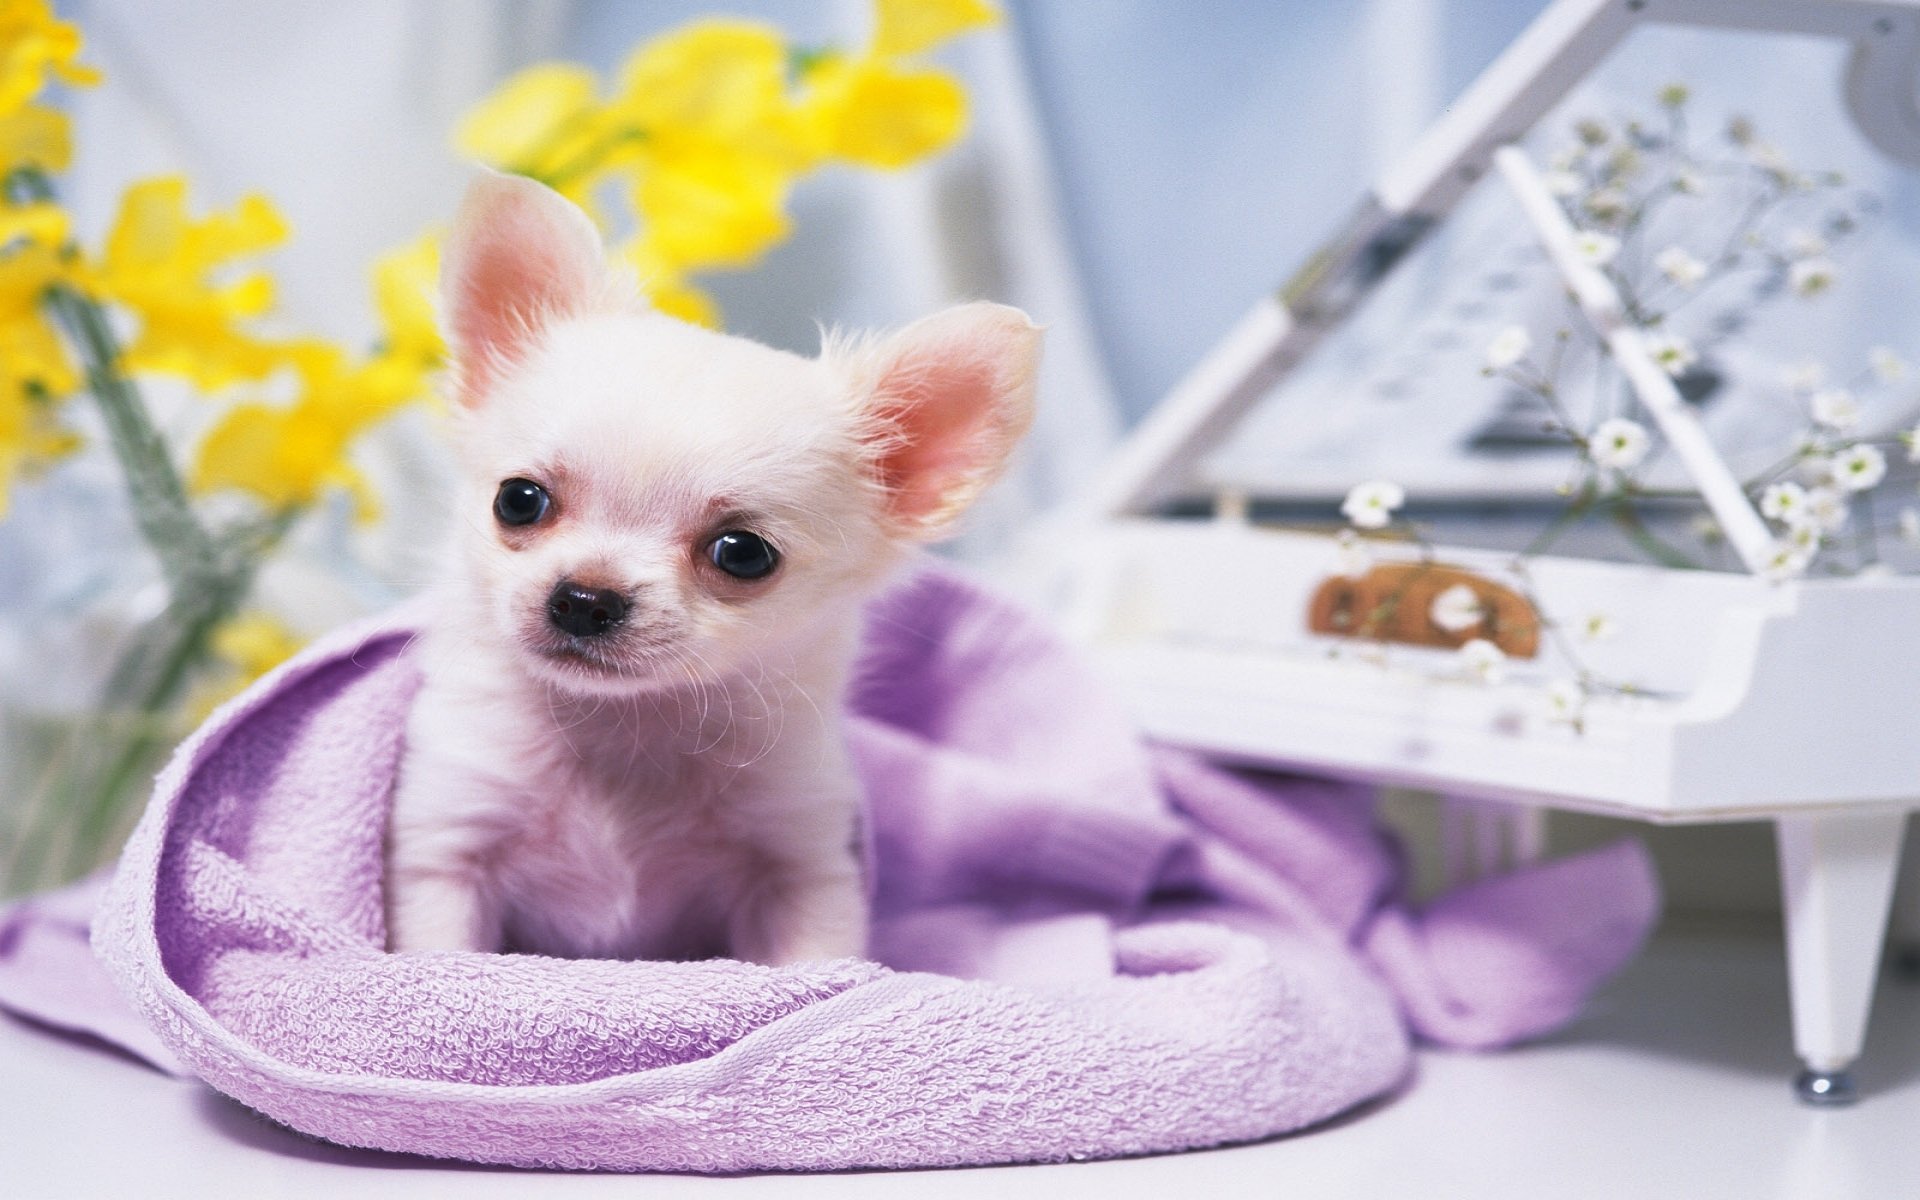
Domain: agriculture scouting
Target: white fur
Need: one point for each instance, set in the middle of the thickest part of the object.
(678, 787)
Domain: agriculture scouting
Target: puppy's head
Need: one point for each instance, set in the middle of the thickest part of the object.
(649, 505)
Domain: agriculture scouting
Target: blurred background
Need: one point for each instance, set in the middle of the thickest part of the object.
(1136, 174)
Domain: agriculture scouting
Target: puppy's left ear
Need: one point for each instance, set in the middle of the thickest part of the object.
(946, 400)
(520, 257)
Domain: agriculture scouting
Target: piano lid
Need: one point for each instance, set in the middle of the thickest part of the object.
(1370, 364)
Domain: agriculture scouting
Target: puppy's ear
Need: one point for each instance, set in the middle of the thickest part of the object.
(520, 256)
(945, 400)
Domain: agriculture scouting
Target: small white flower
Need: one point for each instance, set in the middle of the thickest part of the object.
(1786, 560)
(1805, 243)
(1618, 444)
(1598, 627)
(1351, 558)
(1785, 502)
(1482, 660)
(1911, 440)
(1835, 408)
(1456, 609)
(1679, 266)
(1827, 510)
(1674, 354)
(1811, 276)
(1910, 525)
(1687, 183)
(1888, 367)
(1805, 376)
(1859, 467)
(1561, 183)
(1370, 505)
(1565, 699)
(1508, 347)
(1594, 248)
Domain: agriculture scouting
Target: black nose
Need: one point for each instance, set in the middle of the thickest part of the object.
(583, 611)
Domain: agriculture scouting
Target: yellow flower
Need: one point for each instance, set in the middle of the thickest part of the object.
(35, 370)
(905, 27)
(714, 87)
(254, 643)
(546, 122)
(42, 223)
(720, 144)
(35, 136)
(30, 436)
(667, 288)
(175, 274)
(880, 115)
(32, 356)
(248, 645)
(286, 455)
(711, 123)
(405, 280)
(682, 300)
(715, 210)
(32, 43)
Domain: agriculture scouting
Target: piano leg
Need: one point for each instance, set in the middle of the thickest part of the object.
(1836, 882)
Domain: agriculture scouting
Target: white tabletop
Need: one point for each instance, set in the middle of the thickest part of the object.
(1673, 1084)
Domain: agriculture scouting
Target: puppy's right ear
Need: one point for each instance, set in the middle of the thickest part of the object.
(520, 257)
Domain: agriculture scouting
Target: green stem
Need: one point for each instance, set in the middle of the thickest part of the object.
(1637, 532)
(164, 516)
(1576, 510)
(103, 760)
(147, 731)
(587, 159)
(206, 578)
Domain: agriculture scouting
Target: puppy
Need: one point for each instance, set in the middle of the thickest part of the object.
(629, 738)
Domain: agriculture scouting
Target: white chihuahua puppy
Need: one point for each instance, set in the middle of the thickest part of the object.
(629, 738)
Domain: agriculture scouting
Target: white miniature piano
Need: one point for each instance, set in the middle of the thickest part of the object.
(1796, 701)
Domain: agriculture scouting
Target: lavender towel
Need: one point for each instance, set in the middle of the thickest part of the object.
(1093, 947)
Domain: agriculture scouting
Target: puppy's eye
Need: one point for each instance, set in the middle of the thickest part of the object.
(744, 555)
(520, 502)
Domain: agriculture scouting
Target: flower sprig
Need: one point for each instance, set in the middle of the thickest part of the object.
(1613, 179)
(1822, 499)
(702, 133)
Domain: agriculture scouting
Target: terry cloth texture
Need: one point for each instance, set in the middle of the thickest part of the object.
(1091, 946)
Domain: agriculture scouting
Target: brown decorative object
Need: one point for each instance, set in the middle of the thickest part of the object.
(1393, 602)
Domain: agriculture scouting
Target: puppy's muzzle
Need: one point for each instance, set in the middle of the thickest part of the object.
(585, 611)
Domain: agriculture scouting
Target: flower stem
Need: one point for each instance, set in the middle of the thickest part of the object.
(1637, 532)
(165, 519)
(206, 579)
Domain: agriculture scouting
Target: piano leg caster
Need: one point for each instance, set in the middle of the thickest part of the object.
(1836, 879)
(1825, 1089)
